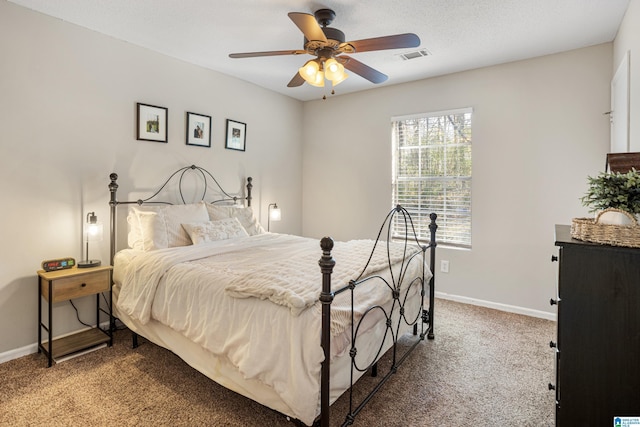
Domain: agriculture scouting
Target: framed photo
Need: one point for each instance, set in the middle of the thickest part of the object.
(236, 135)
(198, 130)
(151, 123)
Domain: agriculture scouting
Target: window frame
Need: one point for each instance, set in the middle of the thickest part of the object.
(424, 212)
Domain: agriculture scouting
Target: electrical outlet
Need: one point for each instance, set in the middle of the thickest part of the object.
(444, 266)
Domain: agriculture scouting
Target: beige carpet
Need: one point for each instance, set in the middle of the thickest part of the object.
(484, 368)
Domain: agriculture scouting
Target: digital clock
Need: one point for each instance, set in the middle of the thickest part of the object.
(58, 264)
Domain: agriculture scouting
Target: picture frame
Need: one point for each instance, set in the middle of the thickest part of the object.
(198, 130)
(236, 135)
(151, 122)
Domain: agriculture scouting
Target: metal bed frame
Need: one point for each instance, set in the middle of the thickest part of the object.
(425, 316)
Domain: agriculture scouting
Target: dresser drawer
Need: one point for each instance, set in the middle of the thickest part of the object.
(66, 288)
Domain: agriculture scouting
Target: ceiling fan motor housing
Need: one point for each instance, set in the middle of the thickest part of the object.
(334, 37)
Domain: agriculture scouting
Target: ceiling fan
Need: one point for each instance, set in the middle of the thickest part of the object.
(329, 47)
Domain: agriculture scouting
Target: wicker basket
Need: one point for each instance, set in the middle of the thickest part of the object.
(590, 230)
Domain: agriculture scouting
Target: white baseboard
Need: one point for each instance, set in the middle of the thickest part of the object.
(18, 352)
(498, 306)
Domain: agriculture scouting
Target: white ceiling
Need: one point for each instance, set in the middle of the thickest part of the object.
(459, 34)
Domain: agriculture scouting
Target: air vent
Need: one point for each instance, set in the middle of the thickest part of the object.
(415, 54)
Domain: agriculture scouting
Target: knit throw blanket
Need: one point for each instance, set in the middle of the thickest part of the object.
(296, 282)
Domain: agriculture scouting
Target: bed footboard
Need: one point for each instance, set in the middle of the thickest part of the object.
(399, 284)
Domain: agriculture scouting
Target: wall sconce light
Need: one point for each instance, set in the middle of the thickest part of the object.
(274, 214)
(92, 233)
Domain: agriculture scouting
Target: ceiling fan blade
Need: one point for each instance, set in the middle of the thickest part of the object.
(268, 53)
(373, 75)
(308, 25)
(296, 81)
(397, 41)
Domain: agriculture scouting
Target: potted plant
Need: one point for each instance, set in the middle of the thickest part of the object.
(614, 196)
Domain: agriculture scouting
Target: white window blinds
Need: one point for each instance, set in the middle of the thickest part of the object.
(432, 173)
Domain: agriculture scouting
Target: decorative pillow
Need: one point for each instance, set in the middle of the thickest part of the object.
(244, 215)
(211, 231)
(161, 227)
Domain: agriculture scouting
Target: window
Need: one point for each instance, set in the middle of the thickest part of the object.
(432, 173)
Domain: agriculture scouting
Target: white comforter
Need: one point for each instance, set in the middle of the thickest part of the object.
(221, 295)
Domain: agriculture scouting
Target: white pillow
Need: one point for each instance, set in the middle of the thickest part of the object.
(134, 237)
(211, 231)
(162, 227)
(176, 215)
(153, 230)
(244, 215)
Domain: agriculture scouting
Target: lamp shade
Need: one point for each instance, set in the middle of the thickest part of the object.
(334, 71)
(274, 214)
(93, 231)
(309, 69)
(310, 72)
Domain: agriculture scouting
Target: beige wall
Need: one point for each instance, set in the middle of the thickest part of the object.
(628, 40)
(538, 131)
(67, 120)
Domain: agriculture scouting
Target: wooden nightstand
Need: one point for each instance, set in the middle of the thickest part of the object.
(63, 285)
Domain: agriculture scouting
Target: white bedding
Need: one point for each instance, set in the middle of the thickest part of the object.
(269, 333)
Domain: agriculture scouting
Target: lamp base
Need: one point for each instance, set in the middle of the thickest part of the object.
(89, 263)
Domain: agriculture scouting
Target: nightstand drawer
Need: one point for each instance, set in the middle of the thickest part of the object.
(66, 288)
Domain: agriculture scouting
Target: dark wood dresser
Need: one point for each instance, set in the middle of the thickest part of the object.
(598, 342)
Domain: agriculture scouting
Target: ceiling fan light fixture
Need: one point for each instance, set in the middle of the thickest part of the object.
(334, 71)
(310, 69)
(340, 79)
(310, 72)
(330, 66)
(318, 81)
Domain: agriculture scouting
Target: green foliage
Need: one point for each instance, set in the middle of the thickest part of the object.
(614, 190)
